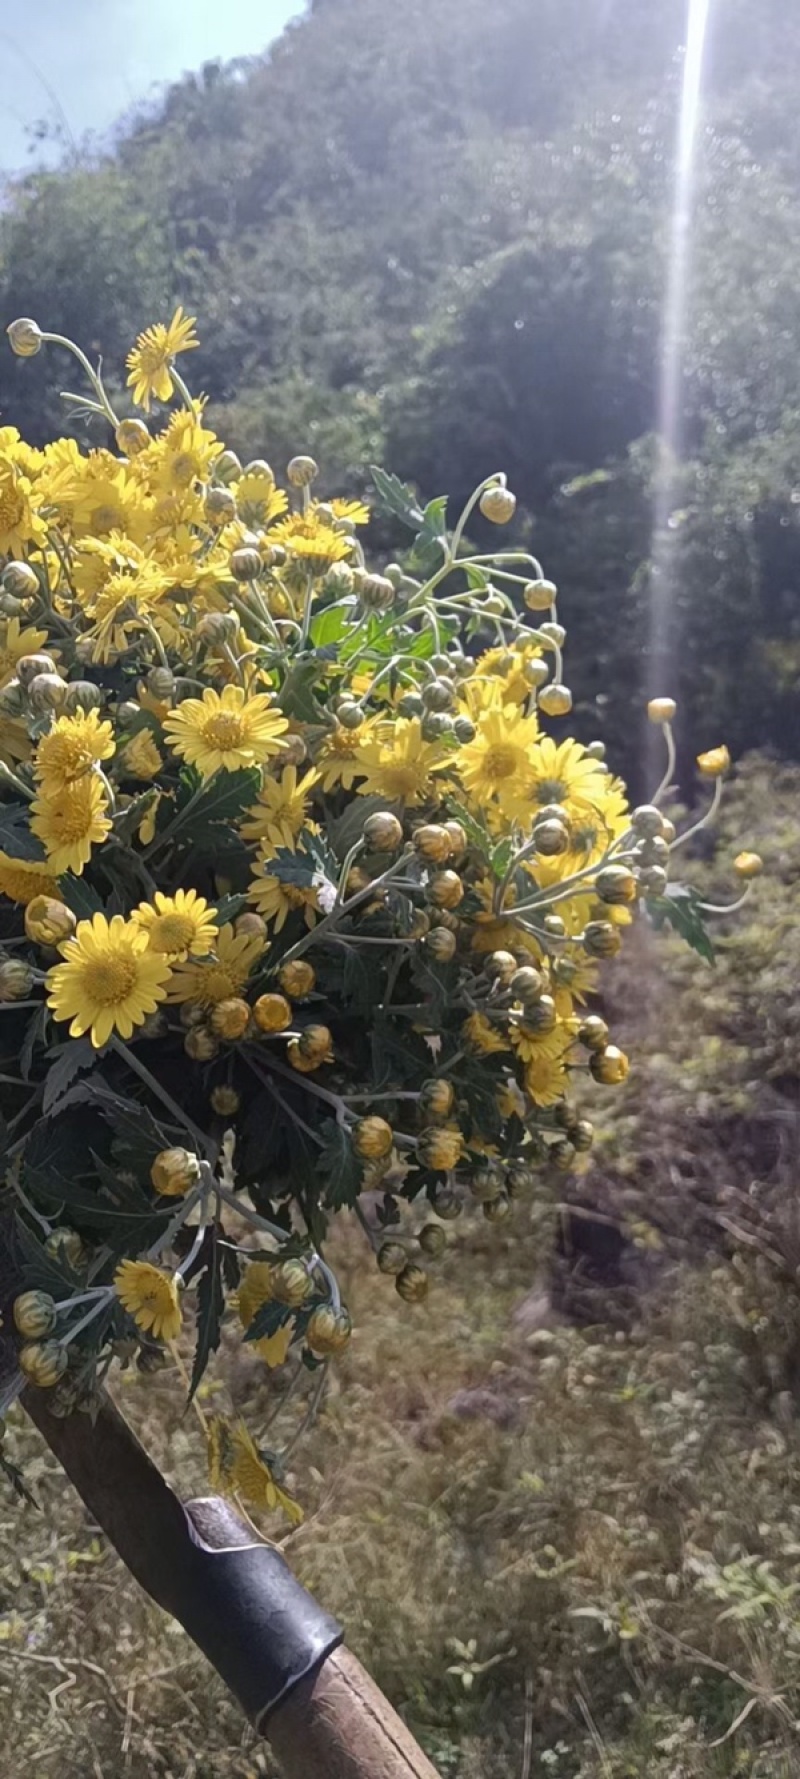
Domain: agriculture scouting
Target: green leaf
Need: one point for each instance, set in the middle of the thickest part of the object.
(210, 1306)
(228, 907)
(127, 821)
(330, 625)
(397, 498)
(15, 836)
(340, 1164)
(39, 1272)
(472, 828)
(222, 799)
(79, 896)
(34, 1034)
(77, 1054)
(431, 542)
(267, 1321)
(502, 855)
(680, 908)
(296, 696)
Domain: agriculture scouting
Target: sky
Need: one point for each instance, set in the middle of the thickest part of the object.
(84, 63)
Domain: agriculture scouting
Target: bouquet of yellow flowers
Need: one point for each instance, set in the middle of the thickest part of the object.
(298, 900)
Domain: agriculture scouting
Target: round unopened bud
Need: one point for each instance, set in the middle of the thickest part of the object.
(432, 1241)
(540, 1017)
(200, 1044)
(219, 506)
(149, 1360)
(593, 1032)
(392, 1257)
(250, 925)
(48, 921)
(458, 838)
(555, 701)
(441, 944)
(272, 1013)
(554, 926)
(376, 593)
(441, 1147)
(190, 1014)
(302, 471)
(20, 580)
(46, 691)
(245, 563)
(228, 467)
(500, 966)
(539, 595)
(34, 1314)
(83, 694)
(132, 436)
(748, 864)
(328, 1331)
(315, 1042)
(581, 1135)
(432, 841)
(446, 890)
(616, 885)
(297, 978)
(25, 337)
(554, 634)
(350, 715)
(435, 724)
(652, 880)
(16, 980)
(527, 983)
(290, 1283)
(498, 504)
(411, 705)
(601, 939)
(436, 1099)
(412, 1284)
(447, 1204)
(661, 710)
(464, 730)
(217, 627)
(596, 750)
(174, 1172)
(383, 832)
(653, 852)
(225, 1100)
(43, 1363)
(230, 1018)
(29, 666)
(12, 699)
(437, 695)
(160, 683)
(372, 1138)
(712, 764)
(496, 1209)
(561, 1156)
(551, 838)
(9, 606)
(339, 580)
(647, 821)
(609, 1066)
(65, 1245)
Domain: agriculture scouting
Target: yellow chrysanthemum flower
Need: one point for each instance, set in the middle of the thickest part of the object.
(150, 1296)
(178, 926)
(121, 590)
(255, 1290)
(496, 762)
(140, 757)
(184, 453)
(70, 749)
(479, 1033)
(258, 501)
(282, 808)
(546, 1079)
(311, 542)
(354, 510)
(223, 976)
(20, 523)
(399, 765)
(109, 981)
(236, 1467)
(225, 730)
(530, 1047)
(339, 759)
(276, 900)
(510, 669)
(150, 360)
(70, 822)
(16, 642)
(98, 495)
(22, 879)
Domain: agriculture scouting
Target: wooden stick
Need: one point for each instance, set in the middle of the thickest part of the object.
(334, 1723)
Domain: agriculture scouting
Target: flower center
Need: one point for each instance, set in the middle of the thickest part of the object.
(550, 790)
(502, 760)
(12, 507)
(72, 819)
(108, 980)
(172, 932)
(225, 729)
(107, 518)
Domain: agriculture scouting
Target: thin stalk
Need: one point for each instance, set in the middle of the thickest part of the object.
(128, 1056)
(670, 766)
(704, 819)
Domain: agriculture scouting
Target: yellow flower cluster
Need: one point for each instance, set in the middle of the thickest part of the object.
(292, 849)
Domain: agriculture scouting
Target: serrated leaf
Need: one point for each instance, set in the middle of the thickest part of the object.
(680, 908)
(128, 821)
(210, 1306)
(477, 835)
(477, 578)
(267, 1321)
(502, 855)
(397, 498)
(296, 696)
(34, 1034)
(222, 799)
(330, 625)
(342, 1169)
(77, 1055)
(228, 908)
(15, 1478)
(79, 896)
(15, 836)
(431, 540)
(38, 1271)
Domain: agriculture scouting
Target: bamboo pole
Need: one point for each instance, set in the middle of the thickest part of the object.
(232, 1595)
